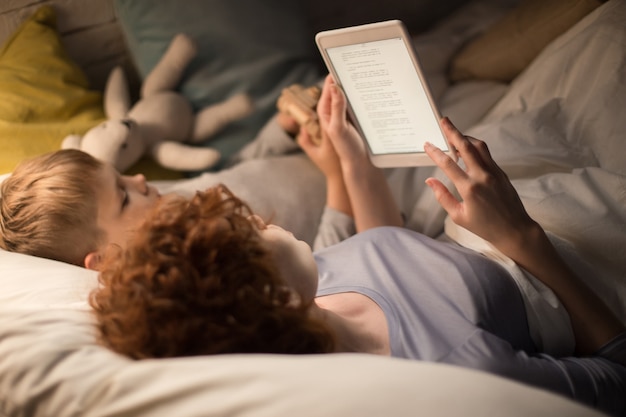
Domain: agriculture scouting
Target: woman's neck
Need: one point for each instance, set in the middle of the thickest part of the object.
(358, 322)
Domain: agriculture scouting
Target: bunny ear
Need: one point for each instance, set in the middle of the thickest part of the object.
(116, 95)
(71, 142)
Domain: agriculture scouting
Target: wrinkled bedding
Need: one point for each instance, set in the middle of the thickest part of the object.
(558, 130)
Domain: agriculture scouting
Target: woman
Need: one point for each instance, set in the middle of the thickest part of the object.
(208, 277)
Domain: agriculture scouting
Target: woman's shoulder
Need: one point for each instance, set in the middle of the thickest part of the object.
(390, 232)
(387, 241)
(392, 235)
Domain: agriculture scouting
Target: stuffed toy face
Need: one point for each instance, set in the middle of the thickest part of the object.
(115, 142)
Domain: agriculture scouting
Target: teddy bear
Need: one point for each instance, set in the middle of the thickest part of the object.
(300, 103)
(162, 123)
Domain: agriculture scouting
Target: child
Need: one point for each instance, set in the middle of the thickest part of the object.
(68, 206)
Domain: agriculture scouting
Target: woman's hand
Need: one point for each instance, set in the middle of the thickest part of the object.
(323, 154)
(490, 206)
(492, 209)
(332, 113)
(325, 157)
(365, 188)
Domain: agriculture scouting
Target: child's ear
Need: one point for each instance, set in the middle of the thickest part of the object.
(92, 261)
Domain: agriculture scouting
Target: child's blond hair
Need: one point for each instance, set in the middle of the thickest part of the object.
(48, 207)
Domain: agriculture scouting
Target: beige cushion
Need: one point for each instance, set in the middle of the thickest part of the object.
(505, 49)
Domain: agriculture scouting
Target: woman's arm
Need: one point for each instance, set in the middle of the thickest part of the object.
(364, 185)
(326, 159)
(596, 381)
(492, 209)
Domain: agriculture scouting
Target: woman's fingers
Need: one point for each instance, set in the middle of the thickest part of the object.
(453, 171)
(479, 165)
(445, 198)
(447, 164)
(338, 112)
(332, 106)
(490, 206)
(323, 104)
(481, 149)
(474, 152)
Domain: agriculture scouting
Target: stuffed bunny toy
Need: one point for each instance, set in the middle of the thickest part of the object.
(162, 122)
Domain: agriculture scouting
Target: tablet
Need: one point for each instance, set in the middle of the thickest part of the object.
(389, 101)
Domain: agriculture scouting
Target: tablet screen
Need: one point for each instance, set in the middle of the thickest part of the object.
(386, 96)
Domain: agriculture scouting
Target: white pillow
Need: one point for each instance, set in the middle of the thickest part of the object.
(50, 366)
(582, 70)
(32, 282)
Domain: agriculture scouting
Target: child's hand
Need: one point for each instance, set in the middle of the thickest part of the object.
(288, 123)
(296, 110)
(490, 206)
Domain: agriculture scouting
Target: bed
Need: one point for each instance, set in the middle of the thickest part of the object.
(553, 120)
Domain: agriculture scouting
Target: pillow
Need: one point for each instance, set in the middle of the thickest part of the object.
(50, 366)
(32, 282)
(507, 47)
(44, 95)
(244, 46)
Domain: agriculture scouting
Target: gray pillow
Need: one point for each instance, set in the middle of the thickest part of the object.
(250, 46)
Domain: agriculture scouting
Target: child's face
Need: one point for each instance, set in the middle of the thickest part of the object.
(123, 204)
(292, 256)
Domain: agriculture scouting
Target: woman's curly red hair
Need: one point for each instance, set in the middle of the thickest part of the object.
(196, 280)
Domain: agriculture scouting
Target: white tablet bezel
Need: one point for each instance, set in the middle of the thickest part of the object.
(375, 32)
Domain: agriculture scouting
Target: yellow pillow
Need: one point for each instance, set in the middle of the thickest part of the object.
(44, 95)
(505, 49)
